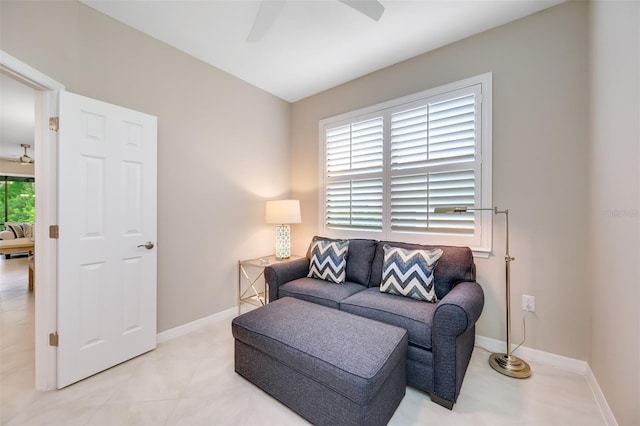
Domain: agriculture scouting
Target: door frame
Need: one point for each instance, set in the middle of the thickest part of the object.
(46, 185)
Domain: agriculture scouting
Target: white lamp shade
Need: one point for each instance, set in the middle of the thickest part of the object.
(282, 212)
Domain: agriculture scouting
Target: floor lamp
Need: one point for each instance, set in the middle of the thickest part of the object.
(505, 363)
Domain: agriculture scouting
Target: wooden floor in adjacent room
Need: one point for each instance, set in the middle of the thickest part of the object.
(190, 381)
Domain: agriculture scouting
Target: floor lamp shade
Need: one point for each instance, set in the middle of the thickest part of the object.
(282, 213)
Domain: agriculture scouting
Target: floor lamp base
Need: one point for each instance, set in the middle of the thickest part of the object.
(510, 365)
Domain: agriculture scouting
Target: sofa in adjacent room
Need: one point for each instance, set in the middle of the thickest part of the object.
(16, 238)
(439, 316)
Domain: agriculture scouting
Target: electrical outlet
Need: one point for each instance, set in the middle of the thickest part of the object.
(528, 303)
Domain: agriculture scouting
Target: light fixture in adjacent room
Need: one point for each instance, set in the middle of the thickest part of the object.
(505, 363)
(25, 159)
(282, 213)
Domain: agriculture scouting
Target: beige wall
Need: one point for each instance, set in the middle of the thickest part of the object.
(540, 147)
(214, 170)
(614, 255)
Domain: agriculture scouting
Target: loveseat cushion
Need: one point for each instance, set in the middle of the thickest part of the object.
(414, 316)
(359, 258)
(319, 291)
(454, 266)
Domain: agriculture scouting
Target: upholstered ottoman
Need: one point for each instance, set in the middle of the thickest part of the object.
(331, 367)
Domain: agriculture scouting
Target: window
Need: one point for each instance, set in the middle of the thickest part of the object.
(17, 199)
(386, 168)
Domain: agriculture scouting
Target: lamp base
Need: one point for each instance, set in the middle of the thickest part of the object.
(283, 242)
(510, 365)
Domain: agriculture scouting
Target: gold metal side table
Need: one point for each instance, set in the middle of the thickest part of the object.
(249, 274)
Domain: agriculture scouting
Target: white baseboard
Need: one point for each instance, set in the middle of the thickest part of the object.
(609, 418)
(195, 325)
(558, 361)
(546, 358)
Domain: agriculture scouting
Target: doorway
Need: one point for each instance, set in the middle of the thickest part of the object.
(17, 206)
(45, 94)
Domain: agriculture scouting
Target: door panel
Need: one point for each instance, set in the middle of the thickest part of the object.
(107, 212)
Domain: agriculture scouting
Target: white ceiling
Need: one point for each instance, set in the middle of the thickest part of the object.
(17, 112)
(313, 45)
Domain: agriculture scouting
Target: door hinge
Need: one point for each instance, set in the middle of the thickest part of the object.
(53, 339)
(54, 123)
(53, 231)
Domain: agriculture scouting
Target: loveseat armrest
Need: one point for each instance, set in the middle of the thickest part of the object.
(459, 309)
(278, 274)
(453, 338)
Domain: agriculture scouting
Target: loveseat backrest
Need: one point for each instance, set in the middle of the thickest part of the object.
(366, 257)
(455, 265)
(359, 259)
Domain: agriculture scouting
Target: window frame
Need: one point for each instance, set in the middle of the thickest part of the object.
(481, 240)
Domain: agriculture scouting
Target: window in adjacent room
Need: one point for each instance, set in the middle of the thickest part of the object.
(17, 199)
(387, 167)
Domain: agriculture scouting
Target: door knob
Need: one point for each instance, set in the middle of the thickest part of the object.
(148, 245)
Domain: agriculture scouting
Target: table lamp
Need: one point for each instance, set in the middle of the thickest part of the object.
(282, 213)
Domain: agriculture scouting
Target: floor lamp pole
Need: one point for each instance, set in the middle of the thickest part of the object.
(507, 363)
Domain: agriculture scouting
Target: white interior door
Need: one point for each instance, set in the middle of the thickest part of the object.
(106, 214)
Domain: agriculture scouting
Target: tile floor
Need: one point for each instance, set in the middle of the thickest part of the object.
(190, 381)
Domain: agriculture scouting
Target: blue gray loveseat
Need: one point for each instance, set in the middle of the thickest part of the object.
(441, 334)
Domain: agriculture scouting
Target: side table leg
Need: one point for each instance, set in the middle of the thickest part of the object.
(239, 286)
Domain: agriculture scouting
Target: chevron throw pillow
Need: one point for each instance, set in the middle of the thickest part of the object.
(329, 260)
(409, 272)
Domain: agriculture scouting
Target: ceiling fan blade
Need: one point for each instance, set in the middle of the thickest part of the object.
(267, 14)
(372, 8)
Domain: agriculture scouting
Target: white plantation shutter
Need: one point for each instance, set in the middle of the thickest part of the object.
(386, 168)
(353, 153)
(432, 159)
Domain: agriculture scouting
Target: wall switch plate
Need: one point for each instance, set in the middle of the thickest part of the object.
(528, 303)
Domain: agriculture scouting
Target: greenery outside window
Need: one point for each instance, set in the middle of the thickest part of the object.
(17, 199)
(384, 169)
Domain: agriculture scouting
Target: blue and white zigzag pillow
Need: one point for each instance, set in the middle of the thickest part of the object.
(409, 272)
(329, 260)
